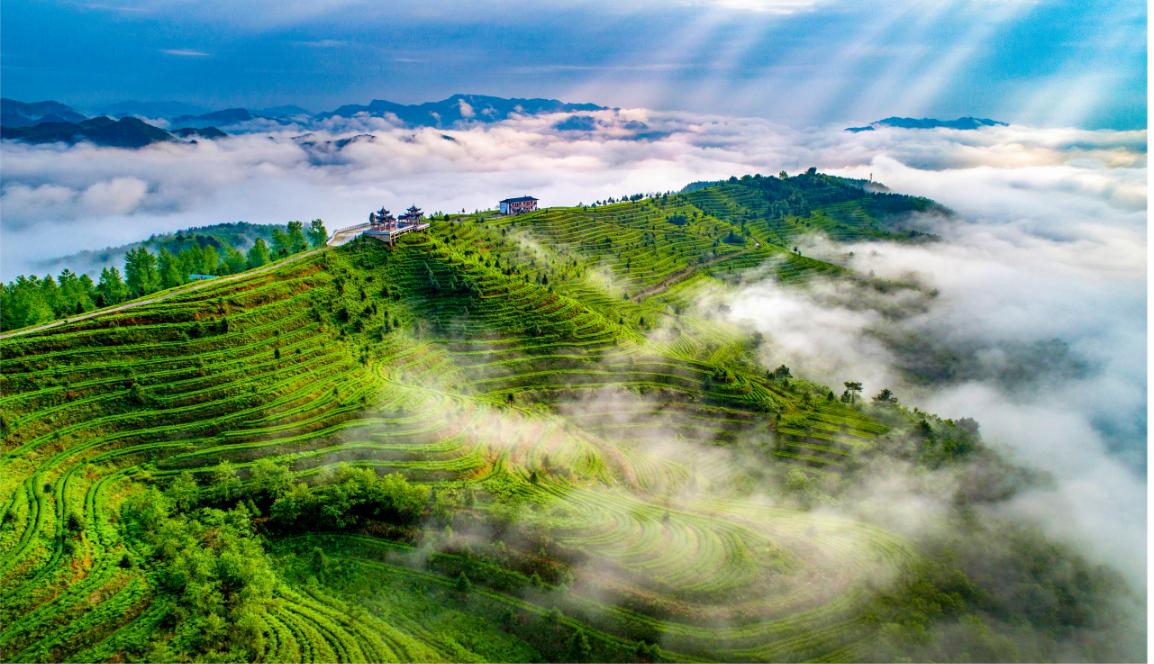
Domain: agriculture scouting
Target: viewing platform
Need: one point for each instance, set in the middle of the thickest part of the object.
(389, 234)
(382, 226)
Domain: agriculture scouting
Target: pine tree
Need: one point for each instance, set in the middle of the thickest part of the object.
(22, 304)
(50, 292)
(111, 286)
(168, 267)
(140, 272)
(75, 293)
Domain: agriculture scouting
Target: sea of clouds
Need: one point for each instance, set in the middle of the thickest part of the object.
(1048, 244)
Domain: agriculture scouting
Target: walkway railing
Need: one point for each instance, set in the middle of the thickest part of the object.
(346, 234)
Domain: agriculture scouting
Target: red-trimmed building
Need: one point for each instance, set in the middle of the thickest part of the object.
(519, 205)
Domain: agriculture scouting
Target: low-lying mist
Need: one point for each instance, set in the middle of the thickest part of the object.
(1028, 319)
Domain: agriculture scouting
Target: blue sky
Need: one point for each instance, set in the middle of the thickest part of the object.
(800, 62)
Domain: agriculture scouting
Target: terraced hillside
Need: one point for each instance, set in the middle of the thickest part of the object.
(563, 461)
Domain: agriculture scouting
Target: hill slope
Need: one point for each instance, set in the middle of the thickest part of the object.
(564, 461)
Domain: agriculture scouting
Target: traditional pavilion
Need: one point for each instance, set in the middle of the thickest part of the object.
(412, 216)
(382, 220)
(385, 227)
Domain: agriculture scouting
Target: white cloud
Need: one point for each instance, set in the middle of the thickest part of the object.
(184, 52)
(466, 109)
(120, 196)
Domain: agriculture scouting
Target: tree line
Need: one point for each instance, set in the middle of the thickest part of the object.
(30, 300)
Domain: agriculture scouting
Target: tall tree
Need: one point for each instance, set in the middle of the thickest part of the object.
(50, 291)
(22, 304)
(852, 389)
(75, 293)
(169, 268)
(192, 260)
(111, 287)
(317, 233)
(211, 260)
(225, 481)
(258, 255)
(280, 243)
(140, 272)
(297, 241)
(183, 492)
(234, 261)
(89, 288)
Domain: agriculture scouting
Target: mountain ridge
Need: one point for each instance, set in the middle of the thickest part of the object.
(53, 122)
(967, 123)
(459, 108)
(65, 124)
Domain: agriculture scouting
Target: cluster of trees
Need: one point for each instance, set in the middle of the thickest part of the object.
(29, 300)
(353, 499)
(213, 564)
(207, 553)
(350, 499)
(631, 198)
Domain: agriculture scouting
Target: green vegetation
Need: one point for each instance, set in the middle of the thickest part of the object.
(505, 439)
(30, 300)
(239, 234)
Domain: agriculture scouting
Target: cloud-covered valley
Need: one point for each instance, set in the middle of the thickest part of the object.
(1035, 295)
(59, 200)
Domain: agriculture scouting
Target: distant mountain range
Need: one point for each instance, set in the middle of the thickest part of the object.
(122, 133)
(54, 122)
(20, 114)
(966, 123)
(458, 109)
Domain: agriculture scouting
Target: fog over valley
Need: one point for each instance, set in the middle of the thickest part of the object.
(1027, 314)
